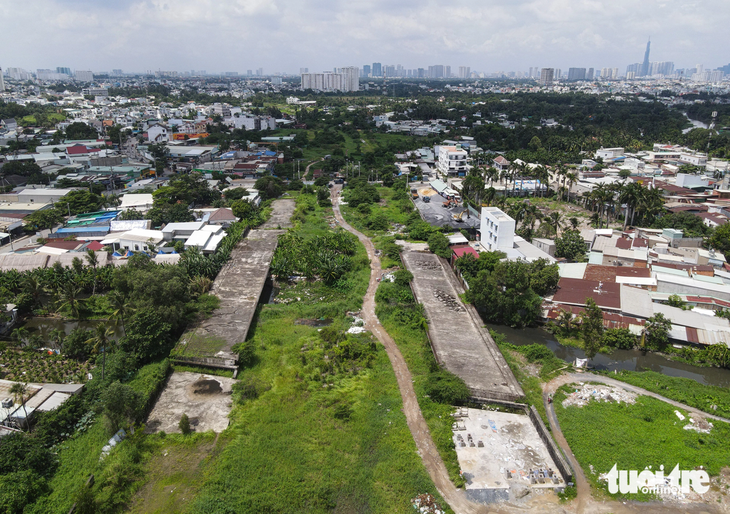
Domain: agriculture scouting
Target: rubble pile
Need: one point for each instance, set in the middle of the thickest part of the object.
(426, 504)
(587, 392)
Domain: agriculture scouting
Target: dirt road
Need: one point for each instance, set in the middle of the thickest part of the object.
(416, 423)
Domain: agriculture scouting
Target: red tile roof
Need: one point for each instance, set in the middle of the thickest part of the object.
(94, 245)
(64, 245)
(598, 273)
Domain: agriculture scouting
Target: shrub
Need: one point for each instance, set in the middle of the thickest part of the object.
(445, 387)
(184, 424)
(619, 338)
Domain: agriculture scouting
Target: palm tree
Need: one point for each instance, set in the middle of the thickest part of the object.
(554, 219)
(100, 339)
(33, 287)
(69, 297)
(121, 307)
(19, 390)
(571, 178)
(573, 222)
(630, 194)
(93, 261)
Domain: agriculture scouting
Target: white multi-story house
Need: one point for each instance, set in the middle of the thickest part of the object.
(157, 133)
(452, 160)
(497, 229)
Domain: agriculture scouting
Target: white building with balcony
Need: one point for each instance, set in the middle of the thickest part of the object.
(497, 230)
(452, 160)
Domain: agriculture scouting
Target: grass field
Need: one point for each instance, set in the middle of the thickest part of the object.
(647, 433)
(712, 399)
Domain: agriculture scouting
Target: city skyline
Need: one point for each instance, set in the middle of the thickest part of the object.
(286, 36)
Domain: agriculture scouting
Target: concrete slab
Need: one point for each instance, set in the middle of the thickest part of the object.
(458, 337)
(501, 451)
(437, 215)
(281, 215)
(206, 399)
(238, 285)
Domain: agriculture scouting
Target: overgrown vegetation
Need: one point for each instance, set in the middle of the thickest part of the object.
(317, 423)
(647, 433)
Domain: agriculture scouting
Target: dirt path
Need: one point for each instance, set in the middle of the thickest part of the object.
(416, 423)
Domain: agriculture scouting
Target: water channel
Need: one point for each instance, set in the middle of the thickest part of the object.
(43, 327)
(695, 124)
(631, 360)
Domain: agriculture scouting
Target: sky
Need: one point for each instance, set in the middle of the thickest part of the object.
(286, 35)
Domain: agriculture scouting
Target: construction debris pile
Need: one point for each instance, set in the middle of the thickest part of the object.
(426, 504)
(448, 300)
(587, 392)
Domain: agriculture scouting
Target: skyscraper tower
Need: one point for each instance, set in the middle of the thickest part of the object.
(2, 81)
(645, 64)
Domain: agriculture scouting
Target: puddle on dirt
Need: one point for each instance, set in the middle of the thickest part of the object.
(207, 386)
(314, 322)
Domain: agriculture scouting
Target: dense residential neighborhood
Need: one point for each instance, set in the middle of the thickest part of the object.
(401, 288)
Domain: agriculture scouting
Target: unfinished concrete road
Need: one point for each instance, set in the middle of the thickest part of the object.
(416, 423)
(458, 337)
(281, 214)
(238, 285)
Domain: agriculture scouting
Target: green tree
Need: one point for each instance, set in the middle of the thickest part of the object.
(20, 489)
(120, 405)
(79, 202)
(43, 219)
(443, 386)
(656, 332)
(570, 246)
(676, 301)
(592, 328)
(244, 210)
(720, 240)
(439, 244)
(79, 130)
(19, 391)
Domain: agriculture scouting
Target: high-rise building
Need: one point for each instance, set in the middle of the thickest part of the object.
(84, 76)
(2, 81)
(377, 69)
(546, 76)
(345, 79)
(421, 73)
(260, 72)
(589, 75)
(558, 74)
(447, 72)
(645, 64)
(18, 74)
(248, 73)
(436, 71)
(64, 71)
(464, 72)
(366, 70)
(119, 73)
(576, 73)
(389, 71)
(303, 70)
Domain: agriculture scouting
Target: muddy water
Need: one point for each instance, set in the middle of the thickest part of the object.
(631, 360)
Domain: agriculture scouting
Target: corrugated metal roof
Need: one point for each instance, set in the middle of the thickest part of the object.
(574, 291)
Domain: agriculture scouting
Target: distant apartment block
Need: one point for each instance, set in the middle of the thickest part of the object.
(346, 79)
(576, 74)
(546, 76)
(84, 76)
(464, 72)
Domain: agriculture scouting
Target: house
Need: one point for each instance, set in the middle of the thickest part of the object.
(223, 217)
(452, 160)
(181, 231)
(157, 133)
(497, 229)
(138, 240)
(501, 163)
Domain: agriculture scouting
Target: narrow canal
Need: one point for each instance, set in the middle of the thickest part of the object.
(631, 360)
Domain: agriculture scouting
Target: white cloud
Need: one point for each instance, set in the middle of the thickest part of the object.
(284, 35)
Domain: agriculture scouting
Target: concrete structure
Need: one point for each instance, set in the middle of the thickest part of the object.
(458, 337)
(41, 196)
(500, 453)
(239, 286)
(497, 229)
(452, 160)
(546, 76)
(141, 202)
(345, 79)
(206, 399)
